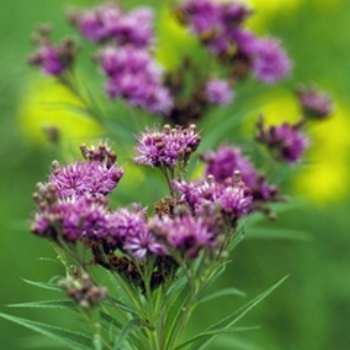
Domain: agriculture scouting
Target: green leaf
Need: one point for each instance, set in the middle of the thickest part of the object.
(47, 304)
(214, 333)
(174, 312)
(230, 320)
(129, 327)
(109, 323)
(221, 293)
(74, 340)
(215, 274)
(50, 286)
(122, 306)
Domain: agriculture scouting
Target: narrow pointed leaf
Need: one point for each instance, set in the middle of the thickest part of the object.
(221, 293)
(129, 327)
(230, 320)
(50, 286)
(74, 340)
(47, 304)
(110, 323)
(214, 333)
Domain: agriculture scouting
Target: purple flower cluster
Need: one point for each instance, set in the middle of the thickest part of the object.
(232, 197)
(167, 147)
(219, 27)
(128, 230)
(94, 177)
(184, 233)
(131, 70)
(223, 163)
(52, 59)
(73, 202)
(134, 76)
(219, 92)
(315, 103)
(285, 140)
(109, 21)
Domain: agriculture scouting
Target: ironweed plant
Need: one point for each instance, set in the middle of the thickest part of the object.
(162, 257)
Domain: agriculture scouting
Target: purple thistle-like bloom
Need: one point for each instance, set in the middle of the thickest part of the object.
(49, 59)
(232, 197)
(225, 161)
(52, 59)
(134, 76)
(135, 28)
(72, 219)
(109, 21)
(270, 63)
(219, 92)
(315, 103)
(285, 140)
(167, 147)
(246, 41)
(128, 230)
(96, 24)
(186, 233)
(202, 16)
(81, 178)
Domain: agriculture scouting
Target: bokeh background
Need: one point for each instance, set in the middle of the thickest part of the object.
(311, 310)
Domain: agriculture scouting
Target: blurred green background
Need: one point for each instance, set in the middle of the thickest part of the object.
(310, 311)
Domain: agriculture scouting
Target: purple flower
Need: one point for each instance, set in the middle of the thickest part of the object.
(167, 147)
(128, 230)
(135, 28)
(72, 219)
(315, 103)
(222, 164)
(134, 76)
(234, 14)
(82, 178)
(219, 92)
(52, 59)
(270, 63)
(108, 21)
(225, 161)
(186, 234)
(285, 140)
(202, 16)
(246, 41)
(232, 197)
(96, 24)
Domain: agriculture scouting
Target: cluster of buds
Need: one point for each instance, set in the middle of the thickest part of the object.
(81, 289)
(315, 104)
(285, 140)
(52, 59)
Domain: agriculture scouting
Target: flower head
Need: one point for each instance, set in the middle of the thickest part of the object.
(185, 234)
(315, 103)
(219, 92)
(72, 219)
(98, 176)
(166, 147)
(232, 197)
(134, 75)
(270, 63)
(285, 140)
(222, 164)
(52, 59)
(109, 21)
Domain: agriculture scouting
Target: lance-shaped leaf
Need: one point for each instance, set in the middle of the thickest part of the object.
(48, 304)
(232, 319)
(221, 293)
(74, 340)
